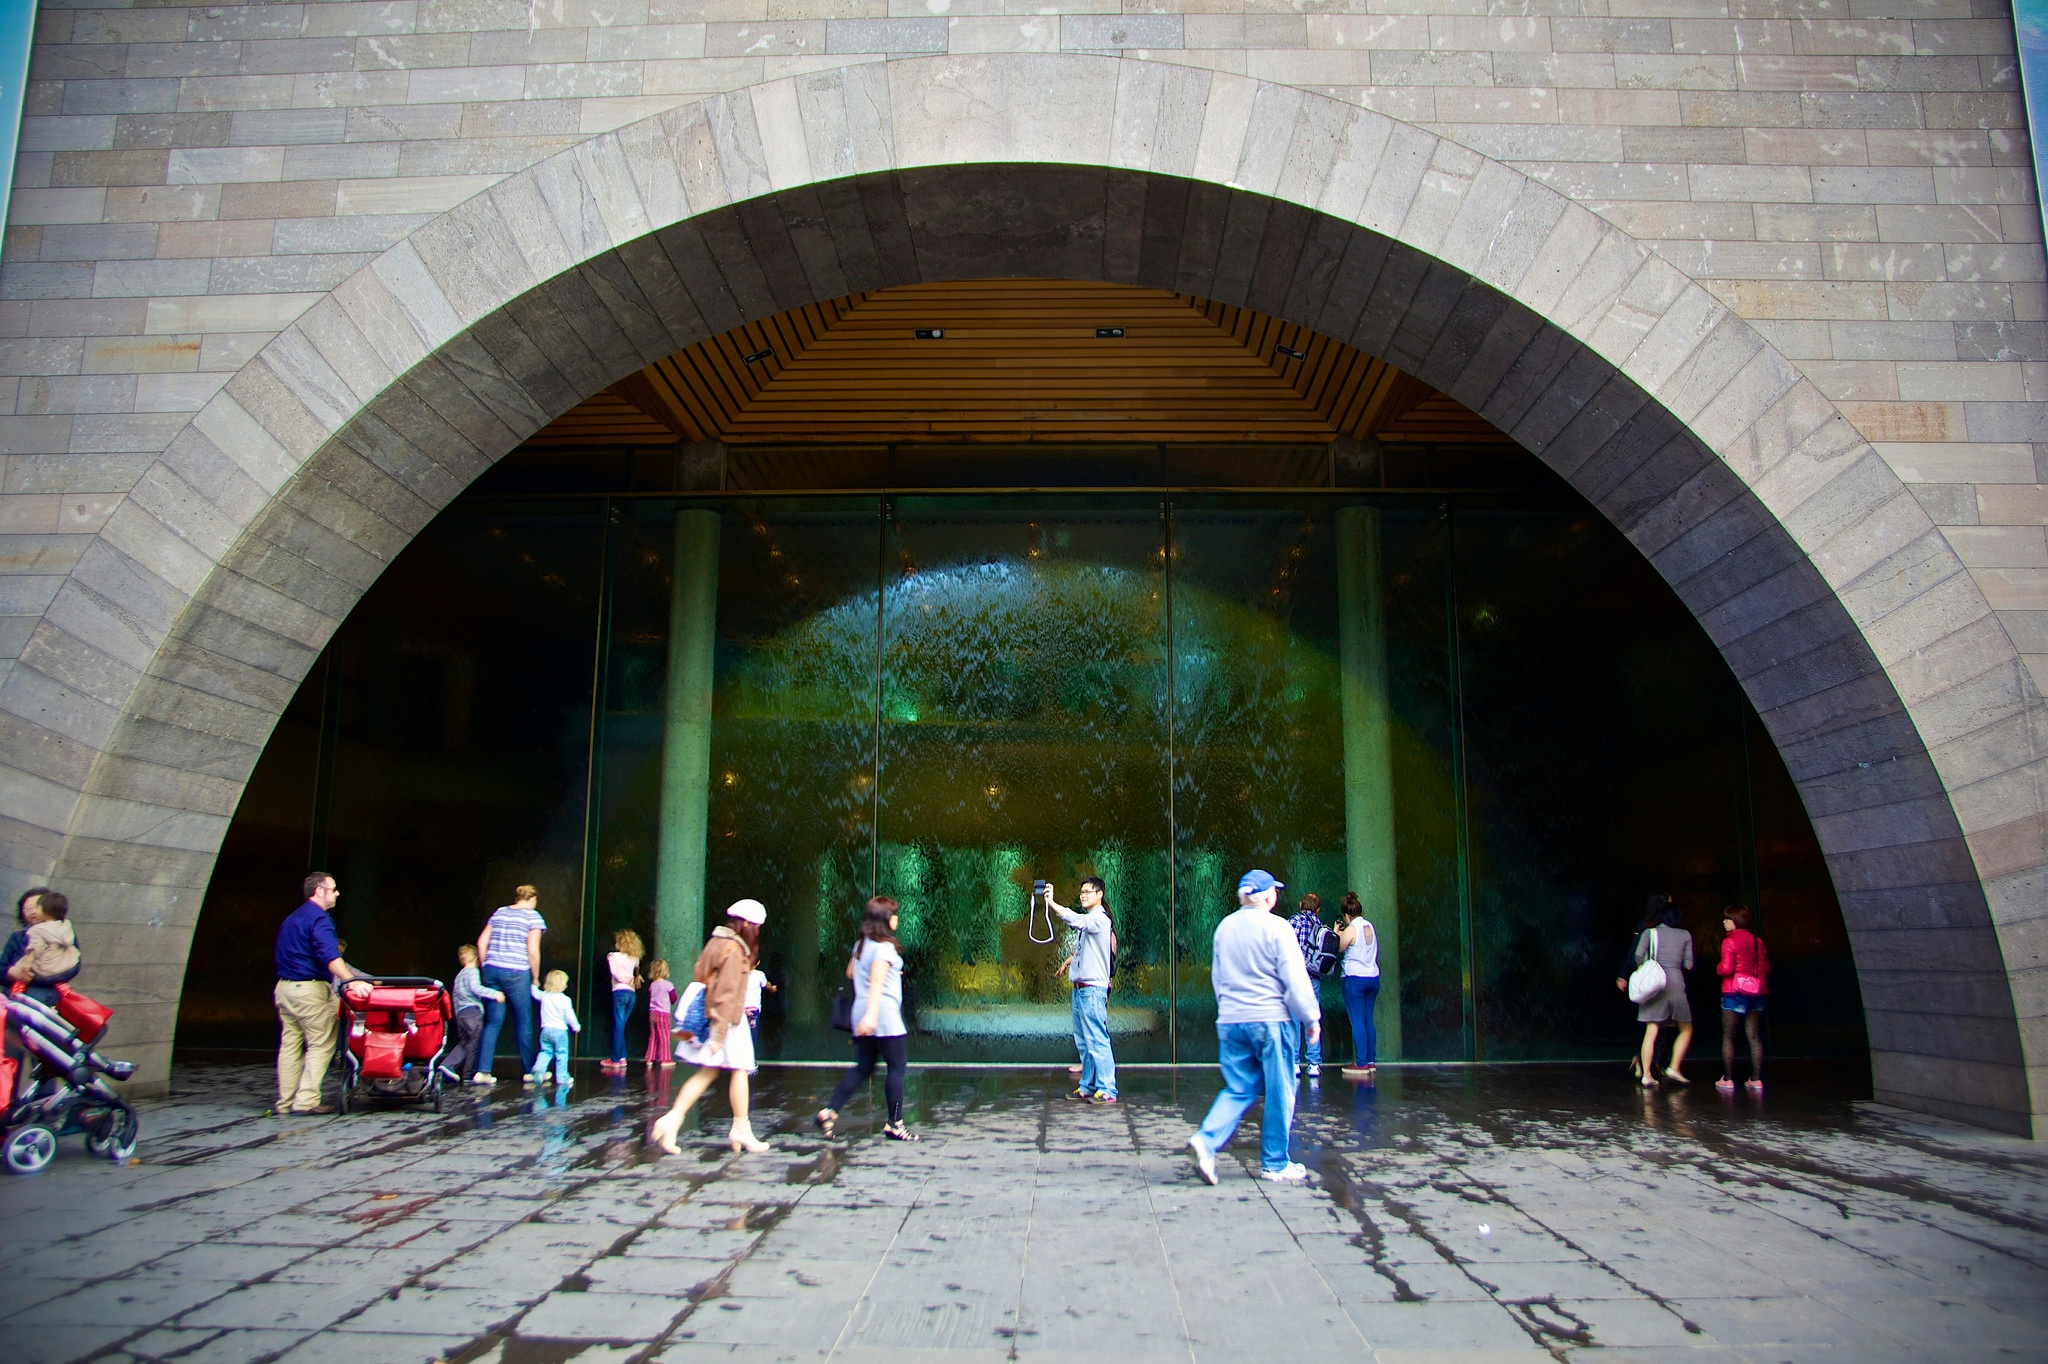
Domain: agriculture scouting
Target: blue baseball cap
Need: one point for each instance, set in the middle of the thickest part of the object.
(1255, 881)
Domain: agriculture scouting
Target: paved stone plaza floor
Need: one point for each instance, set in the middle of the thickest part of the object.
(1453, 1214)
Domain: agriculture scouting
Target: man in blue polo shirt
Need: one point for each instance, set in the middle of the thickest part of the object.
(308, 956)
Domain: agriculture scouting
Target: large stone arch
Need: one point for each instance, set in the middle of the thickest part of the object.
(1894, 694)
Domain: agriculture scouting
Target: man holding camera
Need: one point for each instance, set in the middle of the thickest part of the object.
(1262, 992)
(1088, 969)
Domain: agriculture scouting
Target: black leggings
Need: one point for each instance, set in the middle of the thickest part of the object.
(1753, 1024)
(895, 1051)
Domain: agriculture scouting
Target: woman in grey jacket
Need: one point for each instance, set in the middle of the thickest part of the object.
(1667, 938)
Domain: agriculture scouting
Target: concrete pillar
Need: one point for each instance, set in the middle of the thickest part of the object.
(1368, 752)
(686, 739)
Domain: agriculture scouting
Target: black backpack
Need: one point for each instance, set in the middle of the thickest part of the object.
(1323, 960)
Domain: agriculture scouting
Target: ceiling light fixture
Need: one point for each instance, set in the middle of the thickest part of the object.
(1292, 354)
(1109, 333)
(930, 333)
(758, 356)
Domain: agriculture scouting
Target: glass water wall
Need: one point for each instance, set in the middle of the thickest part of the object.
(1482, 712)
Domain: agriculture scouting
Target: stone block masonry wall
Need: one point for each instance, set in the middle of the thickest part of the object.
(1858, 185)
(193, 180)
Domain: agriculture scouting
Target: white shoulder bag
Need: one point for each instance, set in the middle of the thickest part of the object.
(1648, 979)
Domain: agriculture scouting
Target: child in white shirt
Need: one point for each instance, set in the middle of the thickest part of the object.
(557, 1021)
(757, 981)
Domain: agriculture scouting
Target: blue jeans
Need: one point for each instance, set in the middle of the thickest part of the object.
(554, 1042)
(519, 1000)
(1361, 993)
(1091, 1038)
(1311, 1053)
(1256, 1058)
(622, 1009)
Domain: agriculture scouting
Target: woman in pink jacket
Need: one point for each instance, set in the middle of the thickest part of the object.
(1745, 972)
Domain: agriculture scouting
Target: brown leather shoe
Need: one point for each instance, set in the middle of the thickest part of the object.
(314, 1111)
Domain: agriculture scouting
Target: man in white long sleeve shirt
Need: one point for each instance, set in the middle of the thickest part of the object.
(1088, 972)
(1262, 993)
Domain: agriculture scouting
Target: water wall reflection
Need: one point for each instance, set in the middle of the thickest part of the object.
(1483, 712)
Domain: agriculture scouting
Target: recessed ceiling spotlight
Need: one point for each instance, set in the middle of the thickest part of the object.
(1109, 333)
(930, 333)
(1292, 354)
(758, 356)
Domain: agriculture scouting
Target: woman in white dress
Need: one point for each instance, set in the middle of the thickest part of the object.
(722, 969)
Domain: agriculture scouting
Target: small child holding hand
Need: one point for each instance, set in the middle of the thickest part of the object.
(557, 1021)
(464, 1065)
(757, 981)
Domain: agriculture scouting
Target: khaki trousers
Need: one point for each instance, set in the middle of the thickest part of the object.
(306, 1016)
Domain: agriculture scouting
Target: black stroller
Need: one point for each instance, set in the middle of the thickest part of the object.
(58, 1085)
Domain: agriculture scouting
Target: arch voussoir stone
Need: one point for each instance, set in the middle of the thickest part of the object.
(1872, 658)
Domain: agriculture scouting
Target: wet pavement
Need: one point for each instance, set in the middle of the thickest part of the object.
(1453, 1214)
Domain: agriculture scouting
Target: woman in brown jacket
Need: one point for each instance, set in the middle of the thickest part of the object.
(722, 969)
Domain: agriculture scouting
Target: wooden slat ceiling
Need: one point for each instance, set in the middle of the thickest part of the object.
(1019, 361)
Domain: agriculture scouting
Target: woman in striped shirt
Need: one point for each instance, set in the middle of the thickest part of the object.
(510, 948)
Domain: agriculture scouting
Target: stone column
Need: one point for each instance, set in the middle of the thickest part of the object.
(686, 737)
(1368, 752)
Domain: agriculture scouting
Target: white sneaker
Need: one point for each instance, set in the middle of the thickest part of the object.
(1294, 1172)
(1205, 1159)
(482, 1079)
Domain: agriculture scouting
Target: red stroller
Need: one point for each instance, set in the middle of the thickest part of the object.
(397, 1032)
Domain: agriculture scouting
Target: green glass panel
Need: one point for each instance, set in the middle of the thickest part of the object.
(455, 701)
(1603, 762)
(942, 697)
(792, 758)
(1023, 735)
(463, 723)
(1414, 568)
(1258, 745)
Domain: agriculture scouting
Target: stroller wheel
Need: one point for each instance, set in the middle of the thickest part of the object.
(113, 1136)
(28, 1149)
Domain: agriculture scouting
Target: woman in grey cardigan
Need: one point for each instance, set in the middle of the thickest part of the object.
(1667, 937)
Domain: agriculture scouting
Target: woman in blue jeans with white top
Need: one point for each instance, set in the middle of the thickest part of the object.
(1360, 947)
(509, 947)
